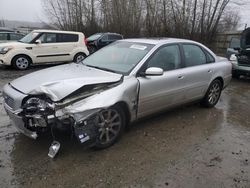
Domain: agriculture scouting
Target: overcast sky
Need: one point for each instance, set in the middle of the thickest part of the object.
(23, 10)
(31, 10)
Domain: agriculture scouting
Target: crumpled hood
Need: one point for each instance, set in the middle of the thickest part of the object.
(60, 81)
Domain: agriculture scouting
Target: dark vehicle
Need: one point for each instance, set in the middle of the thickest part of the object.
(99, 40)
(233, 46)
(10, 36)
(241, 60)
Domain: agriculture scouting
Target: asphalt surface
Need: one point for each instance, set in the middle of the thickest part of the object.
(186, 147)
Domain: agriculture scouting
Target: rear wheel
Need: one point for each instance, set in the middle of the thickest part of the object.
(213, 94)
(111, 123)
(79, 57)
(21, 62)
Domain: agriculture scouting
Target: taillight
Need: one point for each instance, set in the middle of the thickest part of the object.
(85, 41)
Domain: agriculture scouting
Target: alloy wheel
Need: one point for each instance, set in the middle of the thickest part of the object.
(214, 93)
(109, 125)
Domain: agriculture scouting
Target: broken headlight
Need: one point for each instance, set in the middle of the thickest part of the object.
(35, 105)
(36, 111)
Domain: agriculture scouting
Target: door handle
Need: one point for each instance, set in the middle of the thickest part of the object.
(180, 77)
(209, 71)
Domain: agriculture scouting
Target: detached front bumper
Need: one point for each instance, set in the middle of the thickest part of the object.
(18, 123)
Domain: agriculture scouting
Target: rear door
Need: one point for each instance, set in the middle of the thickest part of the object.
(159, 92)
(66, 43)
(198, 71)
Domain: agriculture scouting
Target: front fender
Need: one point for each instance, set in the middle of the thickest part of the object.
(126, 92)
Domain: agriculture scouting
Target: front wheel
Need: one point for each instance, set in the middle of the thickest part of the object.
(110, 124)
(21, 62)
(79, 57)
(213, 94)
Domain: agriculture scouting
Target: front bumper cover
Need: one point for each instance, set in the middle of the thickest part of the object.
(19, 124)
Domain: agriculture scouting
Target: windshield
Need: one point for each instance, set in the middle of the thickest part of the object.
(235, 43)
(94, 37)
(28, 38)
(120, 57)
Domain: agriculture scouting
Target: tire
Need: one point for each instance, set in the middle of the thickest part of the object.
(21, 62)
(79, 57)
(92, 49)
(111, 124)
(213, 94)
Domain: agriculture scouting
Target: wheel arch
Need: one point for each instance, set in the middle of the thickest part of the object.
(220, 79)
(125, 108)
(31, 60)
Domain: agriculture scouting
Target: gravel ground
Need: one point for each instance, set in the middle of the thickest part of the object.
(186, 147)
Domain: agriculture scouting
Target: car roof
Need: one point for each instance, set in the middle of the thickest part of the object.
(56, 31)
(156, 41)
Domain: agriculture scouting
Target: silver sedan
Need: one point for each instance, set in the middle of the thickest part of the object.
(123, 82)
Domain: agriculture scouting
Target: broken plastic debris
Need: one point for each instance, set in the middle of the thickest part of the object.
(54, 148)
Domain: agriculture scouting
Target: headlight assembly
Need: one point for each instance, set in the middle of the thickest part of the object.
(5, 50)
(36, 105)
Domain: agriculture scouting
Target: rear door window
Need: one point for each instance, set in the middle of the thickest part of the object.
(194, 55)
(67, 37)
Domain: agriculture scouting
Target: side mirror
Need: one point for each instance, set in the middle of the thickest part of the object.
(38, 42)
(233, 57)
(154, 71)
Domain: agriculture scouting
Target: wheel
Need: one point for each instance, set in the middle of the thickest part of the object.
(213, 94)
(110, 124)
(21, 62)
(79, 57)
(92, 49)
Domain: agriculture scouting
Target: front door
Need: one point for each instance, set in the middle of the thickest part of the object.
(48, 50)
(160, 92)
(198, 72)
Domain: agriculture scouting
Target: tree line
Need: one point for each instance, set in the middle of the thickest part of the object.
(199, 20)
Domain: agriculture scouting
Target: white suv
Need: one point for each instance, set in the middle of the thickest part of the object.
(44, 46)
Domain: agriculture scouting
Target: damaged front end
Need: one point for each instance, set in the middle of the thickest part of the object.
(40, 115)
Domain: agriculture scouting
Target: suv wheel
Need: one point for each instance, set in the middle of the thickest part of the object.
(213, 94)
(79, 57)
(21, 62)
(111, 124)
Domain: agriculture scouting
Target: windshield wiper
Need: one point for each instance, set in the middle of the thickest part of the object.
(101, 68)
